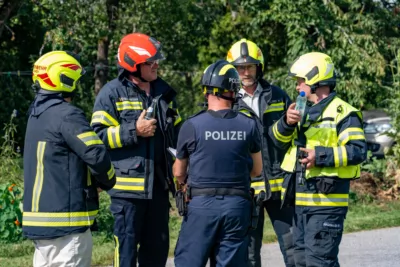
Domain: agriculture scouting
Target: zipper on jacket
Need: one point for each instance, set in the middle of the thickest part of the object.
(147, 161)
(263, 142)
(261, 118)
(164, 143)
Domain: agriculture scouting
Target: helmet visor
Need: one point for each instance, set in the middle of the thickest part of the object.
(245, 61)
(158, 56)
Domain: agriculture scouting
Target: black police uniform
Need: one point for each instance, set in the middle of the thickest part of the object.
(219, 146)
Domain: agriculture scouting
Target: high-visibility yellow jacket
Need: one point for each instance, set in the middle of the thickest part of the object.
(333, 128)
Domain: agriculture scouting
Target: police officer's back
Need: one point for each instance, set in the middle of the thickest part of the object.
(64, 163)
(221, 147)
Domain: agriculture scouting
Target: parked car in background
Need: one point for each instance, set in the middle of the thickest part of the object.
(377, 125)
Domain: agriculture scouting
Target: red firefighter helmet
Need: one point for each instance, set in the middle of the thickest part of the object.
(138, 48)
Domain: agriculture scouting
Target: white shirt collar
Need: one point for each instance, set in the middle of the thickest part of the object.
(256, 92)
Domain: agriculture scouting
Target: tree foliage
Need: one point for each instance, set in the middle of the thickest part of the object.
(360, 36)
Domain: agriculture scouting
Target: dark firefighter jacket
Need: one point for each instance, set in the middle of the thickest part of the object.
(64, 163)
(273, 103)
(136, 160)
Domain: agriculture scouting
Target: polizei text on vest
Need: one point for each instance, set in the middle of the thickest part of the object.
(225, 135)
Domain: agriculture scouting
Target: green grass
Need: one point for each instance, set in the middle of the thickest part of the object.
(372, 216)
(360, 217)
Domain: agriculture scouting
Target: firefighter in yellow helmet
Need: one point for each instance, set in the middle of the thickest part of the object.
(325, 148)
(64, 164)
(268, 103)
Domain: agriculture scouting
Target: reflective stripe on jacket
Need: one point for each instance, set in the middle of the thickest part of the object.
(337, 137)
(273, 103)
(64, 163)
(116, 110)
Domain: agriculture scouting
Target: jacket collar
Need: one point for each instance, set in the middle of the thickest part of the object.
(266, 86)
(44, 101)
(158, 86)
(240, 105)
(316, 110)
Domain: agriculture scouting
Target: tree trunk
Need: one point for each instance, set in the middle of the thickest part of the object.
(6, 8)
(190, 92)
(101, 69)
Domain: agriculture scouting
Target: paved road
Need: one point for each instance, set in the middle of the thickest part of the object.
(377, 248)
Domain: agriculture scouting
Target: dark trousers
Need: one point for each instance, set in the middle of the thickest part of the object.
(316, 239)
(217, 225)
(141, 222)
(281, 220)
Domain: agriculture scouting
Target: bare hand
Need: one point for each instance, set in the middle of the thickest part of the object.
(99, 190)
(292, 115)
(310, 159)
(184, 189)
(145, 128)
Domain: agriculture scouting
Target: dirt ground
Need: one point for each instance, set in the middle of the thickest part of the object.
(379, 187)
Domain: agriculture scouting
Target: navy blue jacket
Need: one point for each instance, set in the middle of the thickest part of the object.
(273, 104)
(136, 160)
(64, 163)
(219, 145)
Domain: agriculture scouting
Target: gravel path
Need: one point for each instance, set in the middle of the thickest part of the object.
(376, 248)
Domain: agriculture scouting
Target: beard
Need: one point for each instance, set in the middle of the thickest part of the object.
(249, 82)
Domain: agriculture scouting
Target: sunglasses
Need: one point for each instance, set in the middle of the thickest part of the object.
(152, 63)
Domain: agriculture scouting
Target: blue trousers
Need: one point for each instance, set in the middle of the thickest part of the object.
(218, 223)
(141, 222)
(317, 238)
(281, 220)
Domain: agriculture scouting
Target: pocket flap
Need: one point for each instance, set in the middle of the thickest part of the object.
(132, 163)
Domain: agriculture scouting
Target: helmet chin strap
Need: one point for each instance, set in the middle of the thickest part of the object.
(37, 89)
(233, 99)
(226, 97)
(67, 95)
(314, 88)
(138, 74)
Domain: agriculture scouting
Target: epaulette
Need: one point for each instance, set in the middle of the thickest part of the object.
(198, 113)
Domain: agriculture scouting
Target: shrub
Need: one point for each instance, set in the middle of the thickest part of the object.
(377, 167)
(105, 220)
(10, 190)
(10, 213)
(10, 157)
